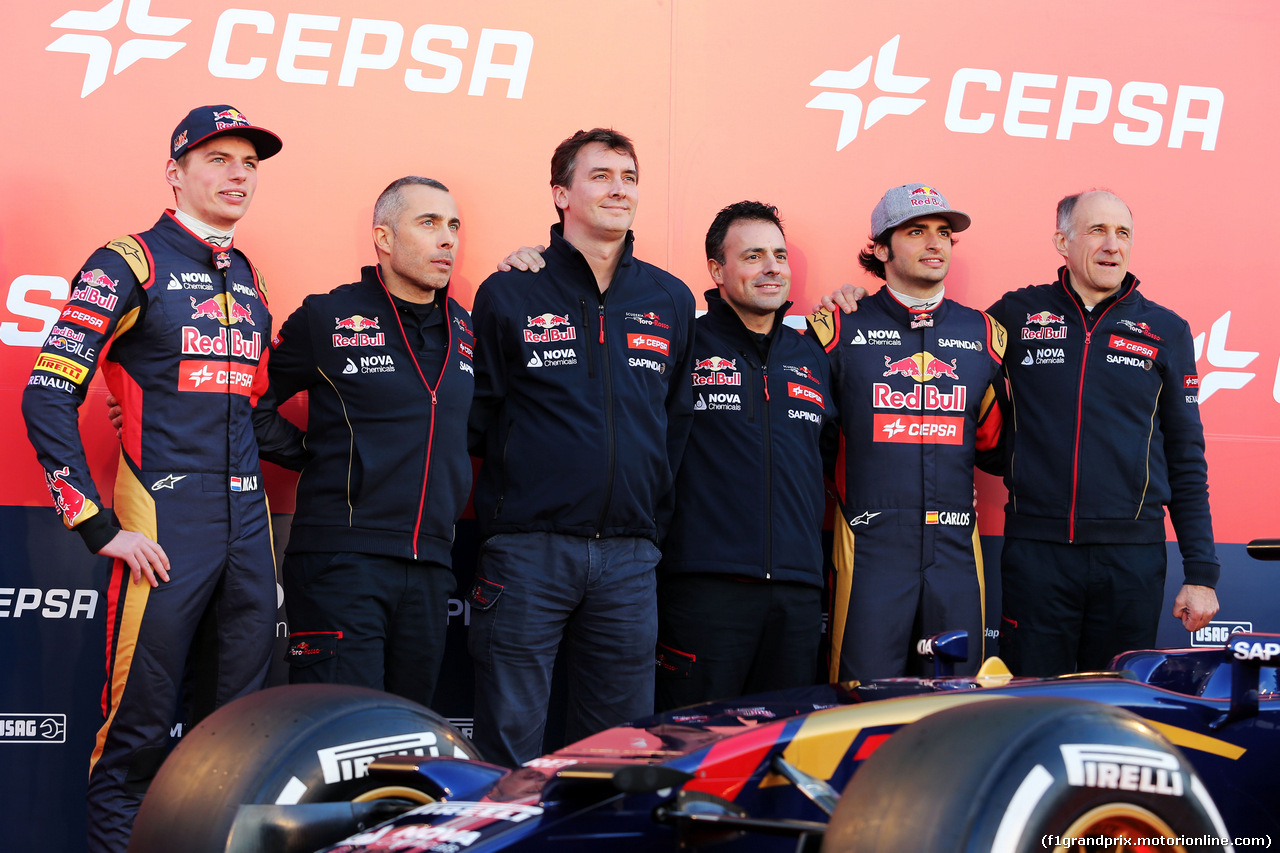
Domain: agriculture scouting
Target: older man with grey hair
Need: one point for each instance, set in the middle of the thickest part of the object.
(1107, 434)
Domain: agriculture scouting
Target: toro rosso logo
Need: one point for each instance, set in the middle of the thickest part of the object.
(1141, 329)
(223, 308)
(803, 370)
(921, 367)
(551, 333)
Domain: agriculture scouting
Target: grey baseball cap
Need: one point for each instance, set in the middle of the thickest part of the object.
(904, 203)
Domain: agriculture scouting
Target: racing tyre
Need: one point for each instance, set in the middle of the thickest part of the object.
(1022, 775)
(306, 743)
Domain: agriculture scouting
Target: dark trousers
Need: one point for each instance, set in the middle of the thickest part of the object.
(1069, 608)
(720, 637)
(367, 620)
(535, 590)
(214, 620)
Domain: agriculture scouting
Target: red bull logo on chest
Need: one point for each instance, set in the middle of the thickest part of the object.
(551, 333)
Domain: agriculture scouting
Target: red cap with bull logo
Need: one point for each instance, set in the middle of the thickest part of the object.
(904, 203)
(205, 123)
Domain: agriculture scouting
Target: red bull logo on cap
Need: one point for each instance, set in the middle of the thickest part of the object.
(231, 117)
(921, 367)
(926, 191)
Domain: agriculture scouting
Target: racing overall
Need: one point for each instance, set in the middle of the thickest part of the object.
(914, 390)
(179, 327)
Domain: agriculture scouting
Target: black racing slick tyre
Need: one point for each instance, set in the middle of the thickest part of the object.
(1021, 775)
(305, 743)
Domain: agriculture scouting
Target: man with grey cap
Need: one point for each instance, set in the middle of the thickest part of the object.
(912, 373)
(192, 587)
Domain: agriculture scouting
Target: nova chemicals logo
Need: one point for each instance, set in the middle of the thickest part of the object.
(138, 21)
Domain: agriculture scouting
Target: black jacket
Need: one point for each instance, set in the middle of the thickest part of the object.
(581, 411)
(749, 495)
(387, 469)
(1105, 428)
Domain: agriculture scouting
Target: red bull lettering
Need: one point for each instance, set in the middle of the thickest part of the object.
(228, 342)
(1044, 334)
(105, 301)
(920, 398)
(360, 339)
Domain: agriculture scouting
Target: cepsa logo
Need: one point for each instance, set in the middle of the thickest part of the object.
(48, 603)
(245, 42)
(977, 95)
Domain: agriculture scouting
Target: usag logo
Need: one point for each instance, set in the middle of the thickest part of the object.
(1216, 633)
(33, 728)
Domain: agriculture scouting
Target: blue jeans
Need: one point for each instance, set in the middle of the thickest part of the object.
(531, 591)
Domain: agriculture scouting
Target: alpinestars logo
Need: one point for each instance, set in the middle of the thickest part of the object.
(139, 21)
(855, 78)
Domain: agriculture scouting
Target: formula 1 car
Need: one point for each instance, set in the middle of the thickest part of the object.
(1172, 750)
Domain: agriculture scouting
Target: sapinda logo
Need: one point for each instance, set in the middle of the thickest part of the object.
(297, 46)
(977, 95)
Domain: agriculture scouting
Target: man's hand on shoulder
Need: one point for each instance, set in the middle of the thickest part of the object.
(1195, 606)
(526, 258)
(845, 299)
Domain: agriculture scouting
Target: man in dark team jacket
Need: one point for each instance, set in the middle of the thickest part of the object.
(1107, 432)
(740, 583)
(581, 414)
(387, 362)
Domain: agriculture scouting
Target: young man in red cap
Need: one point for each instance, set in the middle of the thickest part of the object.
(177, 319)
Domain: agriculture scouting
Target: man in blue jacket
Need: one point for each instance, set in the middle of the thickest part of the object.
(387, 364)
(740, 587)
(1104, 385)
(581, 415)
